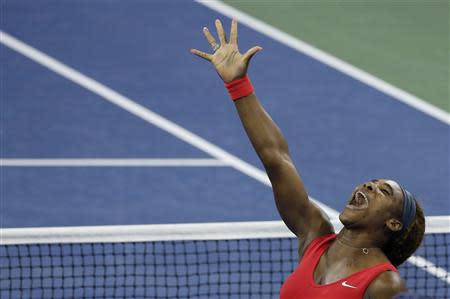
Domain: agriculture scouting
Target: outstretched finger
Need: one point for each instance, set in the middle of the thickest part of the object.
(249, 54)
(220, 32)
(210, 38)
(201, 54)
(233, 32)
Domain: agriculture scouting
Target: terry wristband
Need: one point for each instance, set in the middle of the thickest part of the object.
(239, 88)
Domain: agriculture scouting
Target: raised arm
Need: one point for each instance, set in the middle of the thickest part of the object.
(302, 217)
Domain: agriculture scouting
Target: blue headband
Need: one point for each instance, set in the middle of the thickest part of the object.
(409, 209)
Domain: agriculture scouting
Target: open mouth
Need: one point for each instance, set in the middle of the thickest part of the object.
(359, 201)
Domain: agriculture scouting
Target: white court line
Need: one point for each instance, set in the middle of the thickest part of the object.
(111, 163)
(144, 113)
(131, 106)
(328, 59)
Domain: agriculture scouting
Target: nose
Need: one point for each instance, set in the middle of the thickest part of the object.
(369, 186)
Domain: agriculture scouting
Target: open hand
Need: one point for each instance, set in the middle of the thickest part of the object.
(228, 62)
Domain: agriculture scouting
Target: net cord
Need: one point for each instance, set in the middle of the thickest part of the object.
(172, 232)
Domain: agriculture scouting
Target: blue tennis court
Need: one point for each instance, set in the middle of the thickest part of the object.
(162, 99)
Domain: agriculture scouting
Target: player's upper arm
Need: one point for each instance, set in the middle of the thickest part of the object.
(385, 286)
(305, 219)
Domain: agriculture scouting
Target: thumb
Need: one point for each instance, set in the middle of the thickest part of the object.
(249, 54)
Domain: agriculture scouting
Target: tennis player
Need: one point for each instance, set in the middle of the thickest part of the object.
(383, 222)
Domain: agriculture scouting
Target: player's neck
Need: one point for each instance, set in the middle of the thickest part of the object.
(358, 239)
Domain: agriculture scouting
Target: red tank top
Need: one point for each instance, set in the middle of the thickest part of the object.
(300, 284)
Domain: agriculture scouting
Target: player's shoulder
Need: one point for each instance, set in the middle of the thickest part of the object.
(386, 285)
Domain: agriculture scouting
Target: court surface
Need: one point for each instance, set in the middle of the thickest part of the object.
(341, 131)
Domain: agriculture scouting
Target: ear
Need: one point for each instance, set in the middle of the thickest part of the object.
(394, 225)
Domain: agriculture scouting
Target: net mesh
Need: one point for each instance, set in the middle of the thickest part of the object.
(241, 268)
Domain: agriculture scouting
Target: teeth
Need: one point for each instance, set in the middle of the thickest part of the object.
(359, 201)
(362, 194)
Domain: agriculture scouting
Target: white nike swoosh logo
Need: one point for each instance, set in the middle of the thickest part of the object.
(347, 285)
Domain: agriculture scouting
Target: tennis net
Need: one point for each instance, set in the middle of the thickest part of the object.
(213, 260)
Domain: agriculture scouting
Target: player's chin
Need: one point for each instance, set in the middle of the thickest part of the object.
(350, 217)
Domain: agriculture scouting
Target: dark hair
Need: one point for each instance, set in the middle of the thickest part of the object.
(402, 244)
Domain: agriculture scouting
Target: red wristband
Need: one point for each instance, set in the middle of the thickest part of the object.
(239, 88)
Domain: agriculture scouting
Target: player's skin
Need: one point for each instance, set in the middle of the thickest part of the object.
(363, 228)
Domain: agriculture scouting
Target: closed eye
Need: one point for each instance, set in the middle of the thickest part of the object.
(385, 191)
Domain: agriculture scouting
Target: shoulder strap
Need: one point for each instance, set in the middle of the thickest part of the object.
(318, 245)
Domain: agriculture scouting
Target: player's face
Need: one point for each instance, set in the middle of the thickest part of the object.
(372, 204)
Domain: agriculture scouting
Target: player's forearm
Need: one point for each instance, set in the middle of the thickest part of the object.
(264, 134)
